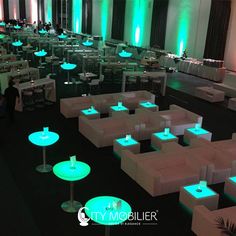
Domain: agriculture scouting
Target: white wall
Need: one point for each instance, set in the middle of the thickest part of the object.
(14, 9)
(230, 49)
(31, 10)
(98, 16)
(187, 23)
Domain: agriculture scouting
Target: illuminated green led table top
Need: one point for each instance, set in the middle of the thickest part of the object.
(2, 23)
(108, 210)
(62, 36)
(2, 36)
(198, 131)
(87, 43)
(68, 66)
(17, 27)
(41, 53)
(90, 111)
(63, 170)
(147, 104)
(43, 31)
(43, 139)
(17, 43)
(233, 179)
(125, 54)
(206, 192)
(124, 142)
(119, 108)
(164, 137)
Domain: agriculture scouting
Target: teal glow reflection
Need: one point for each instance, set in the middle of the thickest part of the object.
(43, 31)
(87, 43)
(125, 54)
(124, 142)
(77, 16)
(43, 139)
(68, 66)
(62, 36)
(48, 10)
(206, 192)
(164, 136)
(104, 18)
(198, 131)
(41, 53)
(17, 43)
(90, 111)
(108, 210)
(17, 27)
(119, 108)
(147, 104)
(65, 171)
(233, 179)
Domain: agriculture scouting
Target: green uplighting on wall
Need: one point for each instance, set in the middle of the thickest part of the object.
(77, 16)
(183, 28)
(48, 10)
(139, 17)
(104, 18)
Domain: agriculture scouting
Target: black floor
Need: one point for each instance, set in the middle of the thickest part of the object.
(30, 202)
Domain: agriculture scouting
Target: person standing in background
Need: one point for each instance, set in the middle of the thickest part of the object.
(11, 96)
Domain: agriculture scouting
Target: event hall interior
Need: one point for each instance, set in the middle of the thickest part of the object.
(118, 117)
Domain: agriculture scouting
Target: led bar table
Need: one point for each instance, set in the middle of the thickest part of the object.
(87, 43)
(230, 187)
(41, 54)
(43, 32)
(108, 211)
(148, 105)
(118, 108)
(127, 143)
(43, 139)
(193, 195)
(69, 171)
(17, 27)
(158, 139)
(125, 54)
(62, 36)
(17, 44)
(68, 67)
(196, 132)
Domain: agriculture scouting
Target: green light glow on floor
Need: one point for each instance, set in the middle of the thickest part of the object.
(139, 16)
(48, 10)
(104, 17)
(183, 27)
(77, 16)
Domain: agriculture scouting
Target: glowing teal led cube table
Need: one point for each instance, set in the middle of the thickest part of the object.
(17, 27)
(157, 139)
(108, 211)
(71, 171)
(43, 139)
(193, 195)
(118, 108)
(68, 67)
(40, 54)
(148, 106)
(90, 113)
(87, 43)
(230, 187)
(2, 24)
(127, 143)
(196, 132)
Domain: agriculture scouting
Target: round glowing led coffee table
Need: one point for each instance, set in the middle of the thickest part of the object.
(17, 27)
(41, 54)
(68, 67)
(125, 54)
(108, 211)
(43, 139)
(43, 32)
(71, 171)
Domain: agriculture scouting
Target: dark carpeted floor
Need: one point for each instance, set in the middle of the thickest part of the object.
(30, 201)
